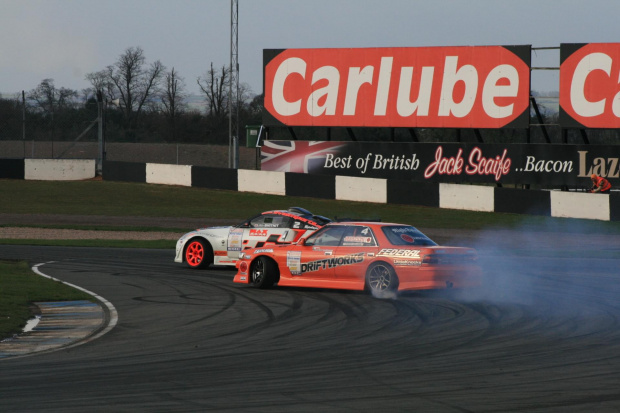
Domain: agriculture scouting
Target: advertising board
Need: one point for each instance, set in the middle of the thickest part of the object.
(444, 87)
(590, 85)
(544, 164)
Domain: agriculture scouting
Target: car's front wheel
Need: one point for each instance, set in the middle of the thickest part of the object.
(198, 253)
(381, 279)
(264, 272)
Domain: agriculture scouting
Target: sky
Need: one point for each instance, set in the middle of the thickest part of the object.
(66, 39)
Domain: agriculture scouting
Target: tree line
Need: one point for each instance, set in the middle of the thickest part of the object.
(142, 101)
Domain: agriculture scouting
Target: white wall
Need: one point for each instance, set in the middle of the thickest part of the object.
(157, 173)
(580, 205)
(469, 197)
(59, 169)
(350, 188)
(264, 182)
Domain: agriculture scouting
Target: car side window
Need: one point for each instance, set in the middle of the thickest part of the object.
(271, 221)
(329, 237)
(358, 236)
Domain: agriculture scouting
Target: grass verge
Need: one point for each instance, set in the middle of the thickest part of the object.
(20, 287)
(147, 200)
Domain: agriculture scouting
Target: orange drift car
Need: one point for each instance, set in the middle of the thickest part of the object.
(374, 256)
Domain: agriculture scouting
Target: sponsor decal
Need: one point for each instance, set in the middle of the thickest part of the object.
(407, 238)
(333, 262)
(363, 240)
(264, 250)
(469, 87)
(394, 252)
(407, 263)
(259, 232)
(607, 167)
(234, 239)
(293, 262)
(478, 164)
(327, 252)
(297, 218)
(589, 87)
(219, 253)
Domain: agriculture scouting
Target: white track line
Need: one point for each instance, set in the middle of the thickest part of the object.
(110, 307)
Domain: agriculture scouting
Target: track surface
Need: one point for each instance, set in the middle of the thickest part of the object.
(543, 335)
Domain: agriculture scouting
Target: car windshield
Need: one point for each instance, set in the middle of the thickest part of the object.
(406, 235)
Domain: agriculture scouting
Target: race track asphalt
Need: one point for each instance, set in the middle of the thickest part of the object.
(542, 335)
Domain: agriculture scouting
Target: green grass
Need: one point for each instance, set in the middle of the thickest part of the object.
(133, 199)
(20, 287)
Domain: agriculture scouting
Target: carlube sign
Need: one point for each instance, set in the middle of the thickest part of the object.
(590, 85)
(461, 87)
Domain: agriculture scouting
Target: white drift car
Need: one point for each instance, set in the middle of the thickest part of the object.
(222, 245)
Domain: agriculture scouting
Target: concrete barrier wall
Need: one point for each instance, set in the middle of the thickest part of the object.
(264, 182)
(469, 197)
(59, 169)
(12, 169)
(466, 197)
(350, 188)
(580, 205)
(157, 173)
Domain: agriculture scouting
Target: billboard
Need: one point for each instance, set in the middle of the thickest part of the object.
(590, 85)
(433, 87)
(545, 164)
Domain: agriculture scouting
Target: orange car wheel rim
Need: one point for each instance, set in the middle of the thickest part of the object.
(194, 254)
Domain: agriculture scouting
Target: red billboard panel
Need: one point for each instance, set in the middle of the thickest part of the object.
(435, 87)
(590, 85)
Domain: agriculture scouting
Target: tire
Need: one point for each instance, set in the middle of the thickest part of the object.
(381, 280)
(198, 253)
(264, 273)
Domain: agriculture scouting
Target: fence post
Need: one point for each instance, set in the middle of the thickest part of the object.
(24, 124)
(99, 165)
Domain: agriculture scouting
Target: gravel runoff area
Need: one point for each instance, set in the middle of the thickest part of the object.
(27, 226)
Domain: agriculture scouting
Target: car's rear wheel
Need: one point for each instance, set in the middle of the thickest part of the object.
(381, 279)
(198, 253)
(264, 272)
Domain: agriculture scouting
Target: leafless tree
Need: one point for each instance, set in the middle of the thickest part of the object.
(173, 98)
(101, 82)
(131, 81)
(49, 99)
(215, 87)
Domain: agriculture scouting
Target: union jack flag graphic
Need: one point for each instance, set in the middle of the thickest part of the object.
(296, 156)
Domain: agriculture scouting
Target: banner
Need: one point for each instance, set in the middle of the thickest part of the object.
(590, 85)
(545, 164)
(444, 87)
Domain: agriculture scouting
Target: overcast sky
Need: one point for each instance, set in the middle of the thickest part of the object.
(66, 39)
